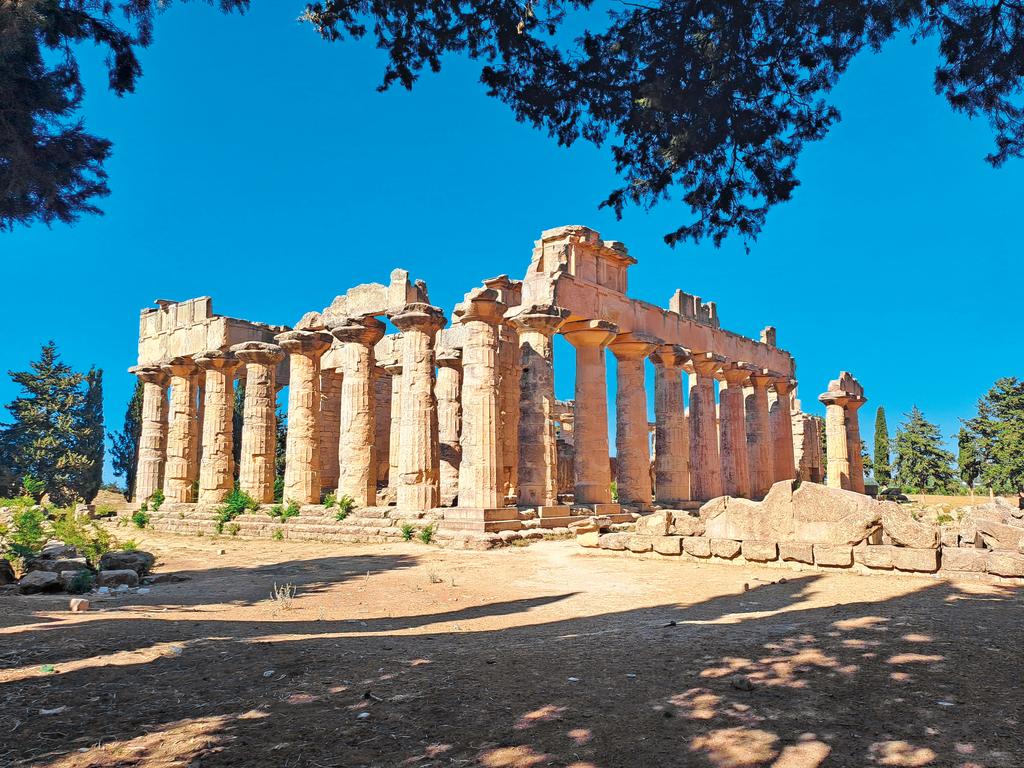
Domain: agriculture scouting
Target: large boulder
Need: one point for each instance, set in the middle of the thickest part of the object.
(997, 535)
(135, 560)
(905, 531)
(116, 578)
(56, 565)
(811, 513)
(39, 581)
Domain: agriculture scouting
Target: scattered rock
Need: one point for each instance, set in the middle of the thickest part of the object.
(741, 683)
(590, 539)
(588, 525)
(655, 524)
(1000, 535)
(56, 565)
(117, 578)
(78, 605)
(39, 581)
(135, 560)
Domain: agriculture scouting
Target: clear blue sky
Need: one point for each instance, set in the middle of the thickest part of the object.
(258, 164)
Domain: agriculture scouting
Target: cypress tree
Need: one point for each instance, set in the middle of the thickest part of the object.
(91, 435)
(124, 448)
(882, 467)
(922, 464)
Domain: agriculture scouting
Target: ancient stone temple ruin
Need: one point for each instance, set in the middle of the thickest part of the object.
(453, 417)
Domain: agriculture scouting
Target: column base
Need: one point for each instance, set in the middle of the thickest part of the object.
(480, 519)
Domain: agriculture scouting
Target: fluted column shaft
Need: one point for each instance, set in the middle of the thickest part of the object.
(217, 470)
(153, 438)
(538, 448)
(181, 471)
(481, 474)
(382, 399)
(395, 441)
(330, 426)
(592, 468)
(672, 457)
(837, 474)
(258, 463)
(632, 445)
(733, 431)
(302, 447)
(782, 430)
(447, 390)
(509, 373)
(760, 448)
(418, 481)
(705, 466)
(357, 452)
(853, 444)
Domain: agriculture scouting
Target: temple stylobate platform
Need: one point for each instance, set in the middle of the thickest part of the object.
(453, 418)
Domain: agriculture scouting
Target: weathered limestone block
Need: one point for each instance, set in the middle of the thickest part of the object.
(913, 559)
(590, 539)
(905, 531)
(588, 525)
(125, 577)
(1010, 564)
(258, 463)
(877, 556)
(698, 546)
(949, 536)
(614, 541)
(640, 543)
(760, 551)
(796, 552)
(725, 548)
(997, 535)
(839, 555)
(671, 459)
(833, 516)
(217, 469)
(962, 559)
(655, 524)
(631, 431)
(685, 524)
(740, 519)
(667, 545)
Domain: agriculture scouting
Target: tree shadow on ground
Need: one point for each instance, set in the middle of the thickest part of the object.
(766, 678)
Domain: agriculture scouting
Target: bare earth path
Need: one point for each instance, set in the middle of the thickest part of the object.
(406, 655)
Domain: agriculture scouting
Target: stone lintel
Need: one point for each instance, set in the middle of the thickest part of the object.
(833, 398)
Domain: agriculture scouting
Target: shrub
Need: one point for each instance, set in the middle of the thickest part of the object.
(131, 545)
(81, 583)
(278, 488)
(345, 506)
(238, 502)
(408, 531)
(944, 518)
(25, 536)
(141, 518)
(156, 499)
(105, 510)
(614, 488)
(277, 535)
(331, 500)
(284, 511)
(33, 488)
(233, 529)
(89, 538)
(426, 535)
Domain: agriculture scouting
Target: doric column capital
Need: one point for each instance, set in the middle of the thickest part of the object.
(307, 343)
(670, 356)
(589, 333)
(258, 352)
(447, 358)
(707, 364)
(833, 397)
(764, 378)
(217, 359)
(542, 318)
(150, 374)
(366, 330)
(784, 385)
(392, 368)
(419, 316)
(854, 402)
(182, 366)
(481, 305)
(735, 374)
(634, 345)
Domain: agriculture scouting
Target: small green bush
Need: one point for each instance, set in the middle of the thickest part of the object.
(278, 488)
(284, 511)
(944, 518)
(345, 506)
(25, 536)
(238, 502)
(330, 500)
(408, 531)
(105, 510)
(141, 518)
(131, 545)
(426, 535)
(33, 488)
(88, 537)
(233, 529)
(81, 583)
(156, 499)
(277, 535)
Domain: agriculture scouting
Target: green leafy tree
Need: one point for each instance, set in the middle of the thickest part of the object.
(91, 434)
(881, 464)
(922, 464)
(44, 440)
(968, 457)
(997, 436)
(237, 420)
(124, 448)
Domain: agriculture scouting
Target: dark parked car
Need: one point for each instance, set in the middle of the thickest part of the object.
(893, 494)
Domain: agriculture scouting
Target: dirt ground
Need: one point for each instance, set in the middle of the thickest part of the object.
(548, 655)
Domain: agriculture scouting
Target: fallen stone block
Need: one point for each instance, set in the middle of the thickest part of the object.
(654, 524)
(796, 552)
(34, 582)
(1010, 564)
(685, 524)
(584, 526)
(915, 559)
(877, 556)
(613, 541)
(116, 578)
(963, 559)
(56, 565)
(78, 605)
(949, 536)
(135, 560)
(639, 543)
(1000, 535)
(590, 539)
(725, 548)
(760, 551)
(697, 546)
(667, 545)
(835, 555)
(905, 531)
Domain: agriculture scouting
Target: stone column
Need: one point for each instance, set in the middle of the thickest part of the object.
(418, 476)
(149, 472)
(181, 472)
(357, 452)
(510, 368)
(382, 399)
(632, 446)
(781, 422)
(671, 459)
(258, 465)
(733, 430)
(447, 390)
(330, 427)
(705, 466)
(302, 448)
(853, 446)
(837, 475)
(592, 467)
(200, 409)
(538, 449)
(481, 474)
(394, 370)
(760, 447)
(217, 471)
